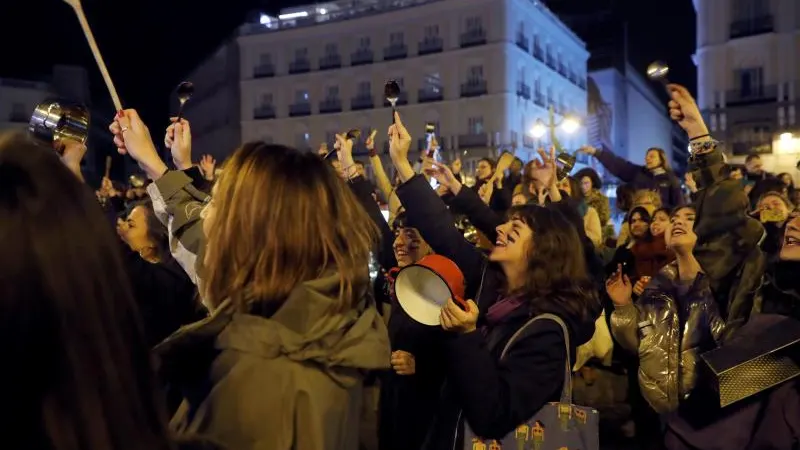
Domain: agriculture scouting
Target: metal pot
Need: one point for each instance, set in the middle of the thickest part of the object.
(55, 119)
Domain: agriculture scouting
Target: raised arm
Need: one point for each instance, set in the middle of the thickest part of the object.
(427, 212)
(363, 192)
(620, 168)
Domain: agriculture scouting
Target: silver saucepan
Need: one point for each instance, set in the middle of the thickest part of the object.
(54, 120)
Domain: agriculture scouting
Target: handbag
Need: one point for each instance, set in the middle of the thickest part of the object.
(557, 426)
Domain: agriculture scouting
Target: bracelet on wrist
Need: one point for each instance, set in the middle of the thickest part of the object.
(699, 137)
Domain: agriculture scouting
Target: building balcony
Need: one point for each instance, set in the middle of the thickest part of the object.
(264, 71)
(402, 99)
(299, 66)
(429, 95)
(396, 51)
(362, 102)
(562, 69)
(473, 140)
(752, 26)
(581, 82)
(329, 62)
(758, 94)
(330, 106)
(300, 109)
(550, 60)
(524, 91)
(264, 112)
(538, 98)
(474, 88)
(522, 42)
(528, 141)
(362, 57)
(430, 45)
(473, 38)
(751, 148)
(538, 53)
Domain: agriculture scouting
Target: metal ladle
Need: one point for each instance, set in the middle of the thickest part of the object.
(185, 90)
(391, 90)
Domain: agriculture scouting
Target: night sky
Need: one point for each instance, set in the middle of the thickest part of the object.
(151, 45)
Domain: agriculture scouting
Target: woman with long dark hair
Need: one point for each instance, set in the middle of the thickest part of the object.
(536, 267)
(77, 373)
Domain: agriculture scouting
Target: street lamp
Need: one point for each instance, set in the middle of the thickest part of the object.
(569, 124)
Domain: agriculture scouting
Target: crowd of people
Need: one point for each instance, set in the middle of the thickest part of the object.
(234, 308)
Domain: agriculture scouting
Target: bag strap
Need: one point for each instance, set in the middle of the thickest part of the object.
(566, 391)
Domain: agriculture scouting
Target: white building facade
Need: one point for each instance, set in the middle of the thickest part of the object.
(481, 71)
(748, 70)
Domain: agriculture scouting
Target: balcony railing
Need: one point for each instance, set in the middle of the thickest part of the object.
(751, 148)
(362, 57)
(330, 105)
(474, 88)
(538, 53)
(299, 66)
(562, 69)
(395, 51)
(473, 140)
(551, 61)
(402, 99)
(299, 109)
(430, 45)
(524, 91)
(264, 112)
(581, 82)
(522, 42)
(538, 98)
(329, 62)
(752, 26)
(758, 94)
(362, 102)
(428, 95)
(264, 71)
(472, 38)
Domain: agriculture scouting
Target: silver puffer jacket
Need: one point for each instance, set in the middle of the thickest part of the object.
(669, 326)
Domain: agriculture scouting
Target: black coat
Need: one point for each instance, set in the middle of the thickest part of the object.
(407, 402)
(493, 397)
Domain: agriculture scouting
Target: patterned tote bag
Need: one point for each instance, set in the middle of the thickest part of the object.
(557, 426)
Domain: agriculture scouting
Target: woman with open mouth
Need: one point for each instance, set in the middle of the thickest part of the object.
(537, 266)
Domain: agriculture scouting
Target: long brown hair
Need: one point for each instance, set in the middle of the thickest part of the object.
(557, 279)
(282, 217)
(78, 372)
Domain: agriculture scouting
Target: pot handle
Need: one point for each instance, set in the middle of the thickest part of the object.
(392, 274)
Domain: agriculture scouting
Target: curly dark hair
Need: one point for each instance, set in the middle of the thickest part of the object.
(592, 175)
(557, 279)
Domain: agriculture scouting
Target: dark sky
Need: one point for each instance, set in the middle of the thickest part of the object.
(150, 45)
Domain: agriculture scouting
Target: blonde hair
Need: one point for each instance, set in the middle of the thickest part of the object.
(649, 200)
(282, 217)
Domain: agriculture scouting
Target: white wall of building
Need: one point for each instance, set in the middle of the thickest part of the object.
(748, 73)
(502, 114)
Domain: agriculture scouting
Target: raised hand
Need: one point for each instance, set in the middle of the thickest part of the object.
(178, 139)
(683, 109)
(207, 165)
(132, 137)
(442, 173)
(399, 139)
(544, 168)
(619, 288)
(453, 318)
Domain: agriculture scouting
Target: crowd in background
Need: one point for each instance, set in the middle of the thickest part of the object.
(234, 308)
